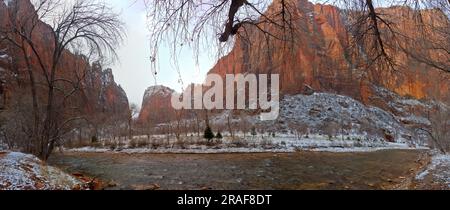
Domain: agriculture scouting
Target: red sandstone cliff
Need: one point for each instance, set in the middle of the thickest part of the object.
(156, 105)
(321, 57)
(99, 92)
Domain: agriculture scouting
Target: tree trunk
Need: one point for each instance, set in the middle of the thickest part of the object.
(230, 129)
(35, 111)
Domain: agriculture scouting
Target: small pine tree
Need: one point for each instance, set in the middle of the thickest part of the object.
(209, 135)
(94, 139)
(219, 136)
(254, 133)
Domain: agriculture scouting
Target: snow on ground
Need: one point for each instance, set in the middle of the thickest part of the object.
(258, 144)
(19, 171)
(390, 146)
(191, 150)
(439, 170)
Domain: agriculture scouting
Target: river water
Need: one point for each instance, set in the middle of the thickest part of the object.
(267, 171)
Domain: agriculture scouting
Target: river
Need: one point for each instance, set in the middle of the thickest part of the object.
(287, 171)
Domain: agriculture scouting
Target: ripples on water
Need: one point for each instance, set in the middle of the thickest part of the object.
(302, 170)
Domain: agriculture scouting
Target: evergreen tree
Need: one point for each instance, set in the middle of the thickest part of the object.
(219, 136)
(254, 133)
(209, 135)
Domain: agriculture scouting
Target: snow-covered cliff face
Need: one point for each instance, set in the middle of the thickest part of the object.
(157, 91)
(156, 105)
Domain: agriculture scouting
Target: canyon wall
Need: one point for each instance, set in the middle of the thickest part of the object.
(98, 92)
(320, 56)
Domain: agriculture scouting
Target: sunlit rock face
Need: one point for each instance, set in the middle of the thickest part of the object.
(99, 92)
(320, 56)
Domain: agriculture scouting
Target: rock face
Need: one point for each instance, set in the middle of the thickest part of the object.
(156, 105)
(103, 94)
(321, 57)
(99, 91)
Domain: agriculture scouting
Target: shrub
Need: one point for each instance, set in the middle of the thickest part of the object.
(155, 144)
(240, 143)
(133, 143)
(94, 139)
(180, 143)
(96, 144)
(142, 143)
(266, 144)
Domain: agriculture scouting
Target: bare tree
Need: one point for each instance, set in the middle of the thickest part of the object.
(85, 27)
(198, 24)
(134, 111)
(382, 36)
(375, 35)
(331, 129)
(178, 120)
(439, 129)
(300, 129)
(229, 125)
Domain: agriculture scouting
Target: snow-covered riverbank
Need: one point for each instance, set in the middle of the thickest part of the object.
(438, 171)
(19, 171)
(275, 145)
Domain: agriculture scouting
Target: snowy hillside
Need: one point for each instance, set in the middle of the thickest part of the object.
(347, 116)
(320, 109)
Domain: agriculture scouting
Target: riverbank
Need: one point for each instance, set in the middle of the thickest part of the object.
(436, 175)
(272, 145)
(20, 171)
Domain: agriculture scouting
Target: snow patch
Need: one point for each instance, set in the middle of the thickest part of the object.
(439, 169)
(8, 2)
(191, 150)
(157, 90)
